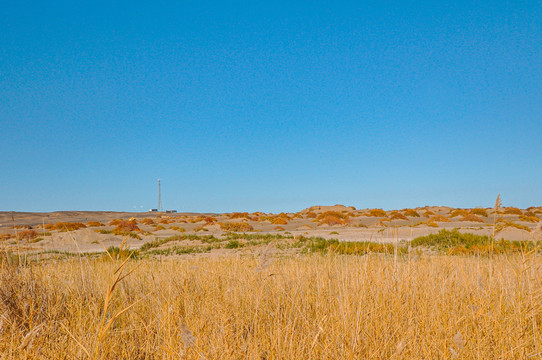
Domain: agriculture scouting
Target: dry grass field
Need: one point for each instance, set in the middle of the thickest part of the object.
(274, 307)
(451, 293)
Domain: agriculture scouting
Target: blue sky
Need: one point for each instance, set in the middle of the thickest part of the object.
(271, 106)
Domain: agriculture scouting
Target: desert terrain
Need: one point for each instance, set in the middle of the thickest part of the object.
(90, 231)
(327, 282)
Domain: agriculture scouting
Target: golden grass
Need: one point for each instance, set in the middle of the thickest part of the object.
(311, 307)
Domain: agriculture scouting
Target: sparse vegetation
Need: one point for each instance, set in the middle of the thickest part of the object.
(455, 242)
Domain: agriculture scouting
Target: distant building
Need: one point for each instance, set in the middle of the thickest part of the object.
(170, 211)
(153, 210)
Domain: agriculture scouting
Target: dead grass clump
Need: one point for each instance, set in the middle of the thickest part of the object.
(311, 215)
(471, 217)
(510, 210)
(376, 213)
(411, 213)
(94, 224)
(236, 226)
(438, 218)
(115, 222)
(278, 228)
(479, 212)
(428, 213)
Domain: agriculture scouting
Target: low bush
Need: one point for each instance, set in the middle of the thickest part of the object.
(236, 226)
(238, 215)
(479, 212)
(458, 212)
(512, 211)
(501, 225)
(27, 235)
(438, 218)
(411, 213)
(67, 226)
(376, 213)
(94, 224)
(471, 217)
(531, 219)
(397, 216)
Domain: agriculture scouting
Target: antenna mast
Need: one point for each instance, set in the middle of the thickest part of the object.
(159, 197)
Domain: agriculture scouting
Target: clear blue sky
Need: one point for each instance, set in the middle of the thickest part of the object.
(271, 105)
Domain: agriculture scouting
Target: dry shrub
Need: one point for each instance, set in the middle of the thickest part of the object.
(67, 226)
(126, 226)
(411, 213)
(501, 225)
(376, 213)
(236, 226)
(471, 217)
(115, 222)
(148, 221)
(427, 223)
(167, 221)
(458, 212)
(238, 215)
(94, 224)
(512, 211)
(531, 219)
(311, 215)
(438, 218)
(331, 220)
(27, 227)
(479, 212)
(279, 221)
(159, 227)
(209, 220)
(176, 228)
(397, 216)
(27, 235)
(278, 228)
(428, 213)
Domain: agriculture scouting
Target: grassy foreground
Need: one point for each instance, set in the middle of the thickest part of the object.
(298, 307)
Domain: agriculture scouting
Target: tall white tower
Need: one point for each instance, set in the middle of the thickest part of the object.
(159, 197)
